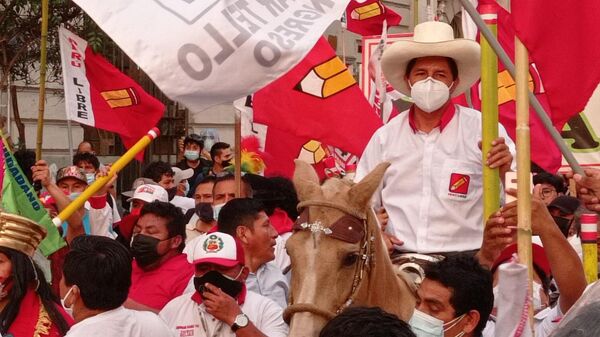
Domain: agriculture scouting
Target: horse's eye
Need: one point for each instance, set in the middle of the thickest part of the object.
(350, 259)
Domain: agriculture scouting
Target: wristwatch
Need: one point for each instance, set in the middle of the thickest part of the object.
(241, 321)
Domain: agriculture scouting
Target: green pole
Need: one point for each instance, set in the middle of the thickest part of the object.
(489, 110)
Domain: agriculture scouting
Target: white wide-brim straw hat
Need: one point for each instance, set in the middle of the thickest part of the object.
(432, 38)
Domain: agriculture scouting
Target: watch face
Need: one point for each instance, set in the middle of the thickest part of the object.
(241, 320)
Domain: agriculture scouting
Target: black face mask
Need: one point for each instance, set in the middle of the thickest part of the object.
(227, 285)
(563, 223)
(205, 211)
(144, 249)
(225, 163)
(171, 192)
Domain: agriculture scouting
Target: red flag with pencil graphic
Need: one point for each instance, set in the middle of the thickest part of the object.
(99, 95)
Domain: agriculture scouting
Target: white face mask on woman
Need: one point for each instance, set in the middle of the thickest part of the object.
(429, 94)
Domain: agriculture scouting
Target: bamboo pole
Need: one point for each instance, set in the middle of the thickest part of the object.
(415, 13)
(101, 181)
(489, 113)
(238, 153)
(524, 165)
(42, 95)
(535, 103)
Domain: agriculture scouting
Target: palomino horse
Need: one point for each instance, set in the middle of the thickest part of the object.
(338, 256)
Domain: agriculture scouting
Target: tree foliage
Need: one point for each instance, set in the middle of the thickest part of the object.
(20, 31)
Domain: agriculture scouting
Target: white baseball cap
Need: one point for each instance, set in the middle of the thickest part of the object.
(149, 193)
(180, 174)
(218, 248)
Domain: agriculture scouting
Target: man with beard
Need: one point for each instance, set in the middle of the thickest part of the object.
(221, 304)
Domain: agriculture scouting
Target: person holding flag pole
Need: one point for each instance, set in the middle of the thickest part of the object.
(432, 191)
(101, 181)
(524, 163)
(510, 67)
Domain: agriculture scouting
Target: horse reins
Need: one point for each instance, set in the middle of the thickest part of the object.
(342, 232)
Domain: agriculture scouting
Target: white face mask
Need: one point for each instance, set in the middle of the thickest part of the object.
(186, 188)
(69, 310)
(429, 94)
(537, 296)
(217, 210)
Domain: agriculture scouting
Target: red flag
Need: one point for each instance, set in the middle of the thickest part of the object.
(318, 99)
(99, 95)
(563, 37)
(366, 17)
(543, 150)
(278, 149)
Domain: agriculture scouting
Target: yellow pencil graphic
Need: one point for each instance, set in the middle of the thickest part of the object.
(506, 87)
(366, 11)
(120, 98)
(326, 79)
(458, 183)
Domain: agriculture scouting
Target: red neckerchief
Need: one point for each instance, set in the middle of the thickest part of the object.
(280, 220)
(240, 299)
(446, 117)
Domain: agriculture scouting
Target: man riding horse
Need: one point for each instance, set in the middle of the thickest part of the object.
(432, 192)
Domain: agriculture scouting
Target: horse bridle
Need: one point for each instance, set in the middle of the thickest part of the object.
(340, 231)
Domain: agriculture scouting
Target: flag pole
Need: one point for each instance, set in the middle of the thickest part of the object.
(537, 106)
(489, 113)
(101, 181)
(70, 139)
(415, 13)
(42, 95)
(524, 165)
(238, 153)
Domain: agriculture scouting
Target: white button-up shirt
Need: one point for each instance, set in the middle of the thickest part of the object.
(433, 189)
(121, 322)
(184, 316)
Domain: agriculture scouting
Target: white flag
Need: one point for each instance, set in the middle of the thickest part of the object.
(206, 52)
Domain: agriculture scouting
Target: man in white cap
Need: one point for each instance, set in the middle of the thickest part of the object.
(221, 305)
(432, 192)
(180, 178)
(145, 191)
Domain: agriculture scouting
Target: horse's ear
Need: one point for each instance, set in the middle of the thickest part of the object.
(361, 193)
(306, 180)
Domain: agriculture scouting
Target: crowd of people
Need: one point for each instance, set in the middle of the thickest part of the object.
(188, 256)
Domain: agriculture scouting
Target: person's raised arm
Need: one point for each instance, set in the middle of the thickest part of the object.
(565, 264)
(41, 173)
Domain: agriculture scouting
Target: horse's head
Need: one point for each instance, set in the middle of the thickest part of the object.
(332, 249)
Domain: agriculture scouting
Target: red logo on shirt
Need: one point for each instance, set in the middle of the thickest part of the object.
(459, 183)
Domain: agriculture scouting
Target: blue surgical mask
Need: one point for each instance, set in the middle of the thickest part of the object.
(424, 325)
(74, 195)
(90, 177)
(191, 154)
